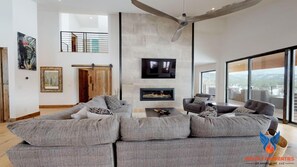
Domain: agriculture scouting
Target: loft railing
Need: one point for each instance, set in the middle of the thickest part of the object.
(88, 42)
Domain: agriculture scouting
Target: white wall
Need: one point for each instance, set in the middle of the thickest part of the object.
(50, 55)
(70, 22)
(260, 29)
(208, 39)
(19, 16)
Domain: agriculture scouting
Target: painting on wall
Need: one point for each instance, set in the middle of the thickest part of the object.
(51, 79)
(26, 52)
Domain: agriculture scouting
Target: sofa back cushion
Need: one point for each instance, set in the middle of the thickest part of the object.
(208, 96)
(243, 125)
(97, 101)
(154, 128)
(260, 107)
(72, 132)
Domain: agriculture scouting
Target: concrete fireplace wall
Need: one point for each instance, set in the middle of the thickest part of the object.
(147, 36)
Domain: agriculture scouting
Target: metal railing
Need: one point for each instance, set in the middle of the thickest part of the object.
(88, 42)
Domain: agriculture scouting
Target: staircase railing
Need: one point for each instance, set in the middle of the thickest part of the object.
(87, 42)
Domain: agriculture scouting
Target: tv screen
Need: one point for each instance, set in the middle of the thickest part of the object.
(158, 68)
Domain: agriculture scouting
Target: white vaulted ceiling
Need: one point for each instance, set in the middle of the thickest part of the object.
(172, 7)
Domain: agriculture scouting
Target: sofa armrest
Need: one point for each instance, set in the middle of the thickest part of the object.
(66, 114)
(273, 125)
(187, 101)
(225, 109)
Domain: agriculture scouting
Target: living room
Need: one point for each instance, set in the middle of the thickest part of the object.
(134, 35)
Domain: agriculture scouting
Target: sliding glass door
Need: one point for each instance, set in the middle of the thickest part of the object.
(269, 77)
(267, 80)
(237, 82)
(294, 108)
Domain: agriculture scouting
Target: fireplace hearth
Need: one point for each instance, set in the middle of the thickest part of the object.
(156, 94)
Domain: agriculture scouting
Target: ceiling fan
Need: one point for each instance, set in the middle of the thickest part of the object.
(186, 20)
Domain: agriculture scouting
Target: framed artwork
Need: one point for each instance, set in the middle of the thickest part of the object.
(51, 79)
(26, 52)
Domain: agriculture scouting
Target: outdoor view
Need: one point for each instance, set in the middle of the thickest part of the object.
(237, 82)
(208, 85)
(294, 116)
(267, 81)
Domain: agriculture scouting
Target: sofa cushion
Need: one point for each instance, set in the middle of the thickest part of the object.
(81, 114)
(98, 101)
(210, 111)
(151, 128)
(99, 113)
(242, 125)
(199, 100)
(243, 110)
(260, 107)
(66, 114)
(72, 132)
(113, 102)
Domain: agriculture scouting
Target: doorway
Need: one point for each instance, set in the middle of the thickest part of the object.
(94, 82)
(4, 86)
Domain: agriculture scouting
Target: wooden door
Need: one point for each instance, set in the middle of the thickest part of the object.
(83, 75)
(102, 81)
(94, 82)
(4, 86)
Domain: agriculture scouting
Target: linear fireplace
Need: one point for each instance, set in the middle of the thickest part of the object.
(156, 94)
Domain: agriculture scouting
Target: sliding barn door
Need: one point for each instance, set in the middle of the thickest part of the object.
(94, 82)
(4, 87)
(102, 81)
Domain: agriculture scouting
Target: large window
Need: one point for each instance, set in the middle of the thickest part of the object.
(267, 80)
(208, 82)
(269, 77)
(294, 110)
(237, 82)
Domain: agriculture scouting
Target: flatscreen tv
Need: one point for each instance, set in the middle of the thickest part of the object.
(158, 68)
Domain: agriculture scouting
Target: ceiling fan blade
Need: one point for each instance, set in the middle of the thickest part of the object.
(178, 33)
(225, 10)
(151, 10)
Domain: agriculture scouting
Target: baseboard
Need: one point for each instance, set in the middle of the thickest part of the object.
(32, 115)
(56, 106)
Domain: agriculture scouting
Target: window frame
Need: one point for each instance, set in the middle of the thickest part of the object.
(288, 79)
(201, 80)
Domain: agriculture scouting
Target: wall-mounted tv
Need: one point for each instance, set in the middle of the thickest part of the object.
(158, 68)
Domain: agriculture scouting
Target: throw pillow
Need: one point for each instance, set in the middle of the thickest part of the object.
(97, 116)
(113, 102)
(200, 100)
(80, 114)
(210, 111)
(98, 101)
(99, 113)
(243, 110)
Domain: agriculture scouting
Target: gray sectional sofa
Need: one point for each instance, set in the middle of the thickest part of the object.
(174, 141)
(260, 107)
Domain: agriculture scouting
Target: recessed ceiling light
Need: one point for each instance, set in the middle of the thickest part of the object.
(59, 0)
(213, 8)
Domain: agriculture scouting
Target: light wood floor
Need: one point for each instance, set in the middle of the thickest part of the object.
(8, 140)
